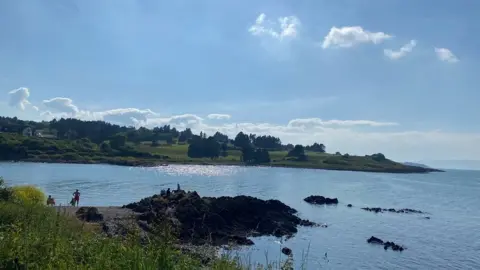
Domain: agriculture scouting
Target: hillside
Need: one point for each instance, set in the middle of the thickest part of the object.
(75, 141)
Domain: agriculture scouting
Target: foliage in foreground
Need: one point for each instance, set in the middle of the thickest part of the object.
(38, 237)
(28, 195)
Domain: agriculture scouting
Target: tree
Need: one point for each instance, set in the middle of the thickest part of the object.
(379, 157)
(316, 148)
(251, 155)
(201, 147)
(297, 151)
(221, 138)
(242, 140)
(266, 141)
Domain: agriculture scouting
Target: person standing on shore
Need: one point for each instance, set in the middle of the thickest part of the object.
(76, 197)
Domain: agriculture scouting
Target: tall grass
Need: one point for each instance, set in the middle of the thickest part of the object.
(33, 236)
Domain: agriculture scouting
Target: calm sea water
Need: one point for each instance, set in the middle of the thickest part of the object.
(449, 240)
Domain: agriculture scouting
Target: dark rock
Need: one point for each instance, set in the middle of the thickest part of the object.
(314, 199)
(386, 245)
(89, 214)
(217, 221)
(375, 240)
(287, 251)
(392, 210)
(349, 205)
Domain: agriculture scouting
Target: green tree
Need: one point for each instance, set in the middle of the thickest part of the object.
(242, 140)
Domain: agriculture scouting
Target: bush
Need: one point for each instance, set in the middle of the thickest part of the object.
(5, 192)
(28, 195)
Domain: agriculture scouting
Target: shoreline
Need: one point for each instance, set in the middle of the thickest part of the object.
(150, 164)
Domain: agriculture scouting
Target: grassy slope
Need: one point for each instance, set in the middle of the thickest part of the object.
(74, 152)
(38, 237)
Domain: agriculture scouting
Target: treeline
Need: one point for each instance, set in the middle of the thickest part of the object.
(114, 139)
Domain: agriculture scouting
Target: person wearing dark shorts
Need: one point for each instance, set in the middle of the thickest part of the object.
(76, 197)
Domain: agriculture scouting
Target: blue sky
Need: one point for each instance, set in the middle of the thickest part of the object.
(397, 77)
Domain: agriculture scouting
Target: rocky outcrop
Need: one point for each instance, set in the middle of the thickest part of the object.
(201, 220)
(89, 214)
(315, 199)
(386, 245)
(392, 210)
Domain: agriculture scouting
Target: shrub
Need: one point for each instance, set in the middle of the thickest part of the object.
(28, 195)
(5, 192)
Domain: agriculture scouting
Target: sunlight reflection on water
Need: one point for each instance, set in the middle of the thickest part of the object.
(197, 170)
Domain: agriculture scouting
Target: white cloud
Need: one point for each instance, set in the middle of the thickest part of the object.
(349, 36)
(179, 121)
(446, 55)
(317, 122)
(126, 116)
(19, 97)
(61, 104)
(218, 116)
(404, 50)
(285, 27)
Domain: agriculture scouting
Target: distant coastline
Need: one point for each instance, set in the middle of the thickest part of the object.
(97, 142)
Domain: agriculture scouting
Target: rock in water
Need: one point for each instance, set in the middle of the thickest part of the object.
(375, 240)
(89, 214)
(392, 210)
(209, 220)
(287, 251)
(315, 199)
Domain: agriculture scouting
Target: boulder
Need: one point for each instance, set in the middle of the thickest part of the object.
(89, 214)
(349, 205)
(315, 199)
(375, 240)
(287, 251)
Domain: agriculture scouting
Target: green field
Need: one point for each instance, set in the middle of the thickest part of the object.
(178, 154)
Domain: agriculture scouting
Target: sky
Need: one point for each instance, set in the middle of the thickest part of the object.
(397, 77)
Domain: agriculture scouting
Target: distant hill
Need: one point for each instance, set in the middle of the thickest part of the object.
(416, 165)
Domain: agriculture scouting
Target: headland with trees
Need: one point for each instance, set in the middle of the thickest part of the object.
(76, 141)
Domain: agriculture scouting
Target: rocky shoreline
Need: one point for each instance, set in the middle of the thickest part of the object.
(218, 221)
(201, 225)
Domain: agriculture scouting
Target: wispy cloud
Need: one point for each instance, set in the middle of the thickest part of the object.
(218, 116)
(350, 36)
(403, 51)
(283, 28)
(446, 55)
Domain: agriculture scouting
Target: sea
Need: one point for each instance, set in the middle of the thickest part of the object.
(450, 239)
